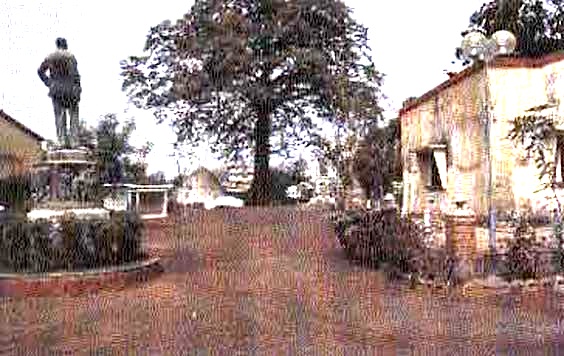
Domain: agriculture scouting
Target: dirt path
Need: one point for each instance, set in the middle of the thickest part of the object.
(272, 281)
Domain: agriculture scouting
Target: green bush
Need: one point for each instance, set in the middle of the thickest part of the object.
(16, 191)
(511, 217)
(72, 245)
(521, 259)
(381, 238)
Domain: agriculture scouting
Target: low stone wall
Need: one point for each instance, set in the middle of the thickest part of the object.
(504, 234)
(77, 283)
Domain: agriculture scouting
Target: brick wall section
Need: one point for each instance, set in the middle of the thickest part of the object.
(461, 236)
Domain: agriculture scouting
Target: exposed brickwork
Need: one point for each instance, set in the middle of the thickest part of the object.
(461, 236)
(73, 286)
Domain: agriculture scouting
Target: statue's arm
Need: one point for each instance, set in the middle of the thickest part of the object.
(76, 73)
(42, 71)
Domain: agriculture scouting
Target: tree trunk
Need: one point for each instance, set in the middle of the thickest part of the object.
(260, 192)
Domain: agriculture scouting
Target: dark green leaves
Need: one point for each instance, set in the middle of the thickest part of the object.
(265, 55)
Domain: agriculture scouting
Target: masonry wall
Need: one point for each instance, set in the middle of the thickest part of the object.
(451, 117)
(513, 91)
(18, 150)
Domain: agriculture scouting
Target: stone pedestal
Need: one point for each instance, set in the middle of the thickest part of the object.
(461, 236)
(69, 187)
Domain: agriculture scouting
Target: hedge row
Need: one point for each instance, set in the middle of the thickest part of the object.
(73, 244)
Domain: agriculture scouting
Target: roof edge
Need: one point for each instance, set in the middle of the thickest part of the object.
(499, 62)
(21, 126)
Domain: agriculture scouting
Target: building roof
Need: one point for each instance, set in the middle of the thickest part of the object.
(499, 62)
(21, 126)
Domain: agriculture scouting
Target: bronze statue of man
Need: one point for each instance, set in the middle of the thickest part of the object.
(64, 89)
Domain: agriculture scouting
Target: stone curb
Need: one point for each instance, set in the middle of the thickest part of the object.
(529, 285)
(75, 283)
(92, 272)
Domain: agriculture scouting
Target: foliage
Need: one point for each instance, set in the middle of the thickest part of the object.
(512, 216)
(178, 181)
(382, 238)
(337, 155)
(298, 171)
(522, 254)
(242, 72)
(280, 182)
(112, 150)
(537, 25)
(111, 146)
(16, 191)
(535, 133)
(157, 178)
(74, 244)
(376, 162)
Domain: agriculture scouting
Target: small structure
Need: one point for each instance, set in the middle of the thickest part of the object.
(198, 188)
(324, 192)
(130, 197)
(65, 183)
(237, 179)
(390, 201)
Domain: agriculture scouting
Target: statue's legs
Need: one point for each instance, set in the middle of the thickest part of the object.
(74, 123)
(60, 121)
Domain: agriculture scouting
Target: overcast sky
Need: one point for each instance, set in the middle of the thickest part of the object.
(412, 42)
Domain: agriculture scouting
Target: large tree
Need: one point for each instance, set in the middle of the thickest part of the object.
(243, 72)
(537, 24)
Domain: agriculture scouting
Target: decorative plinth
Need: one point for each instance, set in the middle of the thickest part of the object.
(66, 184)
(461, 238)
(54, 214)
(69, 157)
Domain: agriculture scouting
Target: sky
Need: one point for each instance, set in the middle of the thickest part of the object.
(412, 43)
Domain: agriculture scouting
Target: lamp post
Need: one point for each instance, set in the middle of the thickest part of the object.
(478, 48)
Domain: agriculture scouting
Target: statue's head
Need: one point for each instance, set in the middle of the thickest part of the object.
(61, 43)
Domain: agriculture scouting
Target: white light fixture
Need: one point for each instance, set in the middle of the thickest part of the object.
(505, 41)
(475, 45)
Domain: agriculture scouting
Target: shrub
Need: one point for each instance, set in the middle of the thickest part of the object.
(72, 244)
(16, 191)
(522, 254)
(512, 217)
(130, 229)
(520, 259)
(378, 238)
(24, 245)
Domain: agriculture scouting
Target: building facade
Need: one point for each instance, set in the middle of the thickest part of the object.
(20, 147)
(444, 150)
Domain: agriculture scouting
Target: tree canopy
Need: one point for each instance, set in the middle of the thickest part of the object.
(241, 73)
(112, 150)
(537, 24)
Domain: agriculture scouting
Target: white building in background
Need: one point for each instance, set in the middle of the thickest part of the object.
(237, 178)
(200, 186)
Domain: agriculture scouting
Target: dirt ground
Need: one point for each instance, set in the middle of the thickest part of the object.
(274, 281)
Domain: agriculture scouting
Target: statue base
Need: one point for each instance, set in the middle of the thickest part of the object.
(66, 184)
(79, 213)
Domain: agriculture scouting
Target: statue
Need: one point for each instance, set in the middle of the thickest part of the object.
(64, 89)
